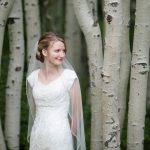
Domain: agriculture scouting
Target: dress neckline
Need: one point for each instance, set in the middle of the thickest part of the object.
(52, 81)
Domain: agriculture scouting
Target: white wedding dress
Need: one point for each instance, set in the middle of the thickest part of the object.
(51, 128)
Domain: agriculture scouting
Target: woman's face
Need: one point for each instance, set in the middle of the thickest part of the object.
(55, 53)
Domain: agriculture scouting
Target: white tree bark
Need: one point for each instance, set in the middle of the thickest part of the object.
(139, 75)
(5, 8)
(15, 74)
(93, 6)
(33, 26)
(111, 67)
(92, 34)
(73, 37)
(125, 62)
(2, 143)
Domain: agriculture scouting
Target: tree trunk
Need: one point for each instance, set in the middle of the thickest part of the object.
(54, 16)
(111, 66)
(92, 34)
(92, 4)
(125, 62)
(139, 75)
(33, 27)
(15, 74)
(5, 8)
(2, 141)
(73, 37)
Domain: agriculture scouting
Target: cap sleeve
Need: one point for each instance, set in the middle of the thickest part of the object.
(31, 78)
(70, 76)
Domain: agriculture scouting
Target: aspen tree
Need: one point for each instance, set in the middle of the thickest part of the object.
(33, 27)
(139, 75)
(54, 14)
(110, 74)
(125, 62)
(15, 75)
(73, 37)
(92, 4)
(5, 8)
(91, 30)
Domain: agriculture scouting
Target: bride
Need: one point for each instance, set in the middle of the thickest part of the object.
(54, 97)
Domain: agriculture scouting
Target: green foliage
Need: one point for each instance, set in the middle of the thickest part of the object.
(3, 76)
(24, 145)
(86, 110)
(147, 131)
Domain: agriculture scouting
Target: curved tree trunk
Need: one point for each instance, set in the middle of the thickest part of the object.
(33, 26)
(73, 37)
(92, 34)
(125, 62)
(139, 75)
(5, 8)
(111, 66)
(15, 75)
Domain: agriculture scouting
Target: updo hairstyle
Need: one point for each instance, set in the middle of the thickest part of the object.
(45, 41)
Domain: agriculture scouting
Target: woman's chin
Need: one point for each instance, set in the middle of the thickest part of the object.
(56, 62)
(59, 62)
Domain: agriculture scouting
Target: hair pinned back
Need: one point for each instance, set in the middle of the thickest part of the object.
(45, 41)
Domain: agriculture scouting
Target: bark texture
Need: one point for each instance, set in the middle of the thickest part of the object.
(93, 7)
(92, 34)
(5, 8)
(33, 27)
(73, 37)
(111, 68)
(125, 62)
(139, 75)
(15, 74)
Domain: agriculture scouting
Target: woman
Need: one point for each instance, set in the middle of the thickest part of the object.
(53, 91)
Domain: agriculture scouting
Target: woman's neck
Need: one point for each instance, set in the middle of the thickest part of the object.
(50, 69)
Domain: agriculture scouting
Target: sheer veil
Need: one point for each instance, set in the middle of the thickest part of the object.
(75, 111)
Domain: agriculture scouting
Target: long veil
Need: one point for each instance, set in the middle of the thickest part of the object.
(75, 109)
